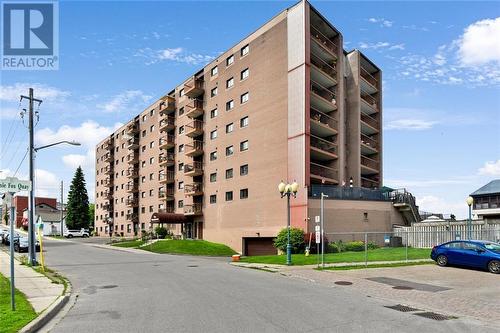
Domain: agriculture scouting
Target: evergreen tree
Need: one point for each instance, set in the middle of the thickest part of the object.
(77, 215)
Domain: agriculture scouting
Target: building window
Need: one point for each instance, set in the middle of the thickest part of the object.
(230, 60)
(151, 176)
(143, 149)
(181, 167)
(213, 198)
(229, 105)
(180, 204)
(180, 186)
(181, 111)
(151, 160)
(213, 135)
(244, 122)
(213, 92)
(244, 98)
(151, 144)
(244, 193)
(150, 209)
(181, 92)
(181, 130)
(143, 194)
(229, 128)
(144, 133)
(143, 164)
(244, 74)
(213, 113)
(143, 179)
(152, 128)
(213, 177)
(229, 151)
(244, 170)
(150, 193)
(143, 118)
(229, 173)
(244, 50)
(213, 156)
(244, 145)
(181, 148)
(214, 71)
(151, 113)
(229, 83)
(229, 196)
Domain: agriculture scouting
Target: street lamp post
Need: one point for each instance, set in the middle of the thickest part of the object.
(287, 190)
(470, 201)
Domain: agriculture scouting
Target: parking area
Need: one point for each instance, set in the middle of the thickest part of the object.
(447, 290)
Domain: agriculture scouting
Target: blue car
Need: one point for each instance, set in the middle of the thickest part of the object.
(472, 253)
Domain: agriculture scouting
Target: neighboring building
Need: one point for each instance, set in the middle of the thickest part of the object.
(21, 204)
(286, 102)
(50, 216)
(487, 201)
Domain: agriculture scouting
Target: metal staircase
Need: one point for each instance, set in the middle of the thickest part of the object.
(404, 201)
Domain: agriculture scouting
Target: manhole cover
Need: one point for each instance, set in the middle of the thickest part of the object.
(434, 316)
(343, 283)
(192, 265)
(402, 308)
(402, 288)
(109, 286)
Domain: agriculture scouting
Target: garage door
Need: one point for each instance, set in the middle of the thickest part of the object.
(259, 246)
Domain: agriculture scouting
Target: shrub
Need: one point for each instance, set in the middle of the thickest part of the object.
(355, 246)
(336, 247)
(372, 246)
(296, 240)
(161, 232)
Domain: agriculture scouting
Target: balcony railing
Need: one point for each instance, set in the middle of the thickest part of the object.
(133, 143)
(132, 158)
(132, 128)
(193, 169)
(194, 87)
(108, 181)
(167, 106)
(194, 128)
(369, 78)
(167, 124)
(369, 183)
(167, 210)
(134, 217)
(323, 92)
(108, 195)
(370, 163)
(370, 100)
(194, 209)
(194, 148)
(366, 140)
(108, 157)
(193, 189)
(167, 141)
(194, 108)
(132, 173)
(108, 170)
(323, 144)
(369, 120)
(132, 202)
(108, 206)
(328, 69)
(323, 119)
(108, 144)
(324, 41)
(166, 177)
(167, 159)
(132, 187)
(322, 171)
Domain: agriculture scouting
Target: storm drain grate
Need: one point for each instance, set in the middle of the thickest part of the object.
(402, 288)
(192, 265)
(109, 286)
(434, 316)
(402, 308)
(343, 283)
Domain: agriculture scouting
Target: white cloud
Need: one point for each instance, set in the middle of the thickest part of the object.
(177, 54)
(383, 22)
(381, 46)
(410, 124)
(434, 204)
(44, 92)
(429, 183)
(126, 100)
(490, 168)
(480, 43)
(47, 184)
(87, 161)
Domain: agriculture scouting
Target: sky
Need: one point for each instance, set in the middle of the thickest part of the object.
(441, 83)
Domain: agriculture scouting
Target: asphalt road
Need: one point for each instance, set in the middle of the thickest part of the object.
(145, 292)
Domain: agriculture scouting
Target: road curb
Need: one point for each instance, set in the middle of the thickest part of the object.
(49, 313)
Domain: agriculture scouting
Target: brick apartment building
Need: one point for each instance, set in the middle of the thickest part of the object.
(285, 103)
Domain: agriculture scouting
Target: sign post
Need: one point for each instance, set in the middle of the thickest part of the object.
(317, 236)
(9, 186)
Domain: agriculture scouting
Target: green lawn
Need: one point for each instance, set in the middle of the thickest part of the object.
(382, 254)
(13, 321)
(192, 247)
(134, 243)
(398, 264)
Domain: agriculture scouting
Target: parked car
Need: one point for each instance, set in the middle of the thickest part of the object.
(3, 233)
(21, 245)
(471, 253)
(7, 239)
(76, 233)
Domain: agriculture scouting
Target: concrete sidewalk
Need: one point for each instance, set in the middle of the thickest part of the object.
(38, 289)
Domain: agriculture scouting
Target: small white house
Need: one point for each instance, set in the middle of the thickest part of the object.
(49, 217)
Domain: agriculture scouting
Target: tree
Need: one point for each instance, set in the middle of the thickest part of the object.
(296, 240)
(91, 216)
(77, 215)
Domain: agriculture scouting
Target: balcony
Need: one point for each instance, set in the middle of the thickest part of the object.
(322, 99)
(132, 158)
(108, 195)
(108, 157)
(132, 128)
(369, 125)
(323, 72)
(108, 144)
(368, 82)
(368, 104)
(369, 166)
(108, 170)
(369, 183)
(167, 124)
(194, 108)
(322, 124)
(195, 148)
(193, 88)
(133, 143)
(368, 145)
(132, 187)
(321, 44)
(193, 189)
(167, 106)
(323, 150)
(166, 177)
(167, 194)
(167, 141)
(108, 206)
(194, 209)
(108, 181)
(193, 169)
(167, 210)
(133, 217)
(132, 202)
(166, 159)
(132, 173)
(194, 128)
(323, 173)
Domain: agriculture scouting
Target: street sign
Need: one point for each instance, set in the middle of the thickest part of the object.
(318, 237)
(317, 228)
(12, 184)
(317, 219)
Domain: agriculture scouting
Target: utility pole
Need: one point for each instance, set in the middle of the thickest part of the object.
(31, 200)
(62, 209)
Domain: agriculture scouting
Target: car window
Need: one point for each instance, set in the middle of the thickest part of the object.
(470, 246)
(454, 245)
(492, 246)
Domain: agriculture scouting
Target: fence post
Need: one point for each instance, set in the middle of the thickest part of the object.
(406, 246)
(366, 249)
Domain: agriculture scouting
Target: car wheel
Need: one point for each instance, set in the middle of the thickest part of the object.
(494, 266)
(442, 260)
(70, 236)
(16, 248)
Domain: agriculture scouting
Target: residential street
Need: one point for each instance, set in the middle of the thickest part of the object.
(135, 291)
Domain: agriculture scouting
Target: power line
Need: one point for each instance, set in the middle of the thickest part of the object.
(24, 157)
